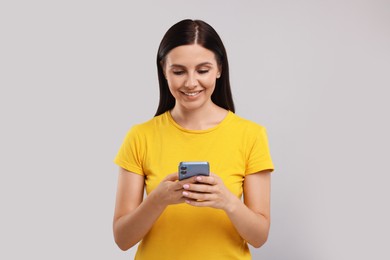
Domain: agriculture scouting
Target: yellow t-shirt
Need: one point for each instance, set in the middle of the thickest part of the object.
(234, 148)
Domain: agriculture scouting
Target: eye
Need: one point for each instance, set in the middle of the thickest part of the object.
(178, 72)
(203, 71)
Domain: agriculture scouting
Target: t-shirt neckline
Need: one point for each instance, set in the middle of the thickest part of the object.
(227, 118)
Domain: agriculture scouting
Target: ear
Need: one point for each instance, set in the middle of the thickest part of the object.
(219, 72)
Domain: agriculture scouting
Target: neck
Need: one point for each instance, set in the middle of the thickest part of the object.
(199, 119)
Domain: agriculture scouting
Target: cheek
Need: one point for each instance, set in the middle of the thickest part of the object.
(175, 82)
(208, 83)
(174, 85)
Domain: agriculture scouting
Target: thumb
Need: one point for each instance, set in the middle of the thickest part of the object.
(172, 177)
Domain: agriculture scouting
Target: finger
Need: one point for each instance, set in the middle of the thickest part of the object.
(205, 188)
(188, 180)
(172, 177)
(211, 180)
(198, 196)
(197, 203)
(182, 200)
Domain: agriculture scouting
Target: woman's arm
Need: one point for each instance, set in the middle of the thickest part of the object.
(251, 218)
(134, 216)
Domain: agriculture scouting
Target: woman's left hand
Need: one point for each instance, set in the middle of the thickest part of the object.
(209, 191)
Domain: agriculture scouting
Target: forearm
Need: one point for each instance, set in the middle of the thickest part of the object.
(129, 229)
(253, 227)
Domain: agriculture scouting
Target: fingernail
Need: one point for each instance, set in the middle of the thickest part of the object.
(198, 178)
(186, 186)
(185, 193)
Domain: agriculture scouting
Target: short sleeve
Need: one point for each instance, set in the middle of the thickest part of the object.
(259, 158)
(129, 155)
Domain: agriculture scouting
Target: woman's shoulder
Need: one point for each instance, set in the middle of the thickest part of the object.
(243, 122)
(150, 124)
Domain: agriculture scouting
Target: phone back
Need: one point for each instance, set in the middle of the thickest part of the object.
(189, 169)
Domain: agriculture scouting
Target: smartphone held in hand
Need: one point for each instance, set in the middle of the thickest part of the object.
(189, 169)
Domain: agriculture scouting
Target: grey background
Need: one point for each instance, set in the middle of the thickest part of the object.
(76, 75)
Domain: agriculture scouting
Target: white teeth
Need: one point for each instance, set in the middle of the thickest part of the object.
(192, 93)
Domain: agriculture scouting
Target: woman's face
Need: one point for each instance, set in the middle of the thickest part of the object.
(191, 72)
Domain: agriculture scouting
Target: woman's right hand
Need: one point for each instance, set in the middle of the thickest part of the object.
(134, 215)
(169, 191)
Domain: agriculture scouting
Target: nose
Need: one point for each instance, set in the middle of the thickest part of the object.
(191, 81)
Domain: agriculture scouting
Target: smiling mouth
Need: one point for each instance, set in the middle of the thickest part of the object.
(191, 94)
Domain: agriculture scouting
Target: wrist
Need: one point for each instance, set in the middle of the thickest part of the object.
(156, 202)
(232, 205)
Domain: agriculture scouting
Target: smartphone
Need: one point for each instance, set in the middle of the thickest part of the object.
(189, 169)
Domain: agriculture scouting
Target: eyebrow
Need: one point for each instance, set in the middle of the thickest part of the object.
(199, 65)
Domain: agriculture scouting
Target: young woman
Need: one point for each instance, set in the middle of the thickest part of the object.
(202, 217)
